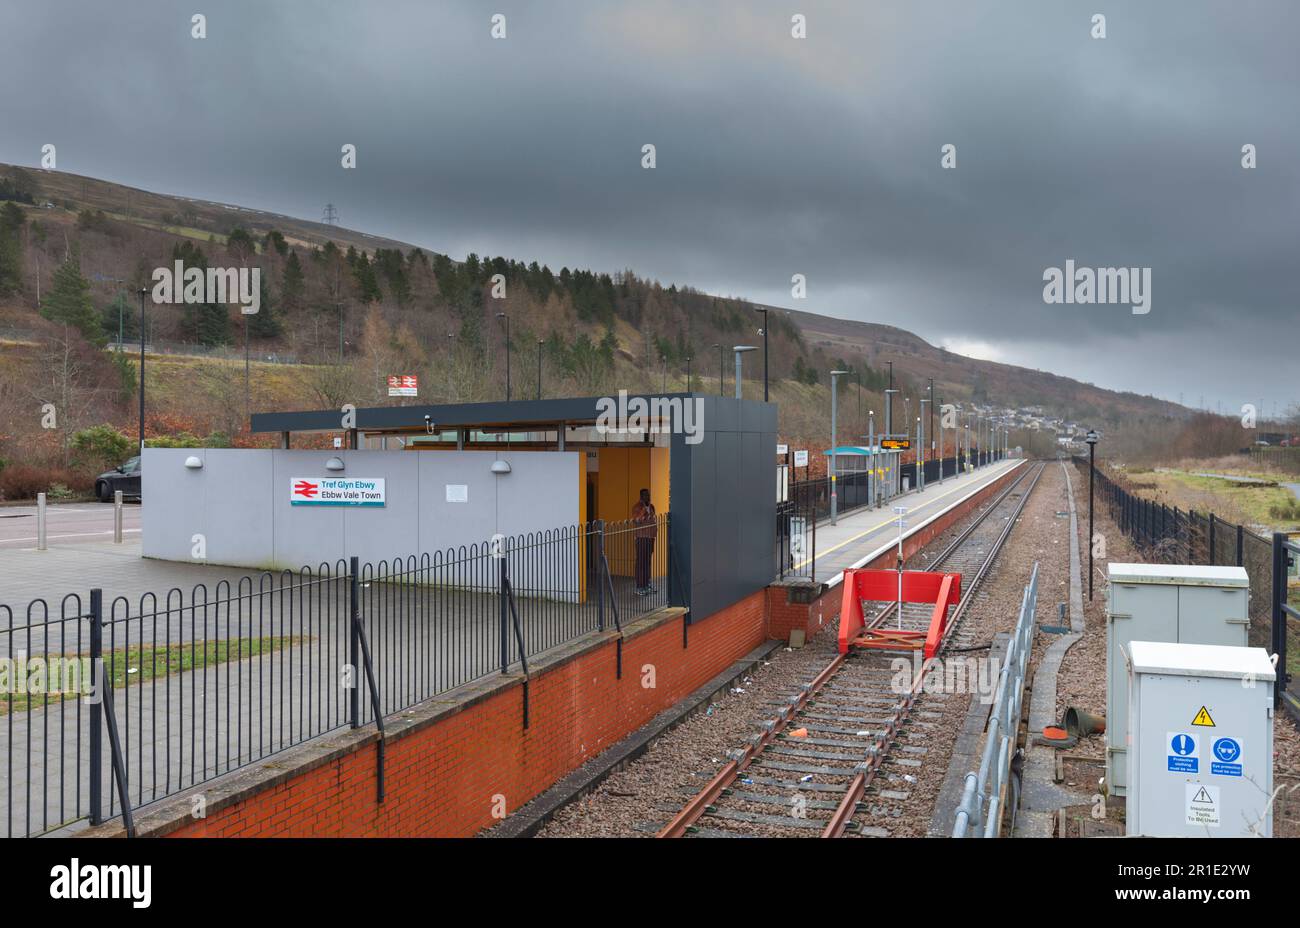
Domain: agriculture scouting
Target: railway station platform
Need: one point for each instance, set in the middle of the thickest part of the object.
(863, 534)
(869, 538)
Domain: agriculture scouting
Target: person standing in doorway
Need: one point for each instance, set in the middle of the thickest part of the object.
(643, 514)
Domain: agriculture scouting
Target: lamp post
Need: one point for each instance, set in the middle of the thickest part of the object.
(922, 438)
(507, 321)
(857, 382)
(940, 442)
(835, 375)
(764, 312)
(143, 291)
(540, 342)
(740, 350)
(688, 373)
(889, 401)
(929, 428)
(451, 361)
(1091, 438)
(873, 495)
(916, 457)
(721, 379)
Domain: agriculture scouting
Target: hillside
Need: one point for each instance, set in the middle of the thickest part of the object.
(74, 252)
(972, 378)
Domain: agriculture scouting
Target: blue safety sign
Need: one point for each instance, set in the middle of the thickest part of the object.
(1227, 757)
(1183, 754)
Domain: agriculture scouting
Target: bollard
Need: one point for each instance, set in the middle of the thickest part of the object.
(40, 521)
(117, 517)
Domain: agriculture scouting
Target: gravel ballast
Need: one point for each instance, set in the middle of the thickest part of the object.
(639, 798)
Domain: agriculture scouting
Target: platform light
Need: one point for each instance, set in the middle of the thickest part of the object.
(834, 439)
(193, 462)
(740, 350)
(1091, 438)
(763, 331)
(500, 467)
(334, 463)
(506, 319)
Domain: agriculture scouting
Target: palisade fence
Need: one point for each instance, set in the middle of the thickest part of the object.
(951, 467)
(200, 683)
(1170, 535)
(809, 502)
(854, 488)
(1276, 458)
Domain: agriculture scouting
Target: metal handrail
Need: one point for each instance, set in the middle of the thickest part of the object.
(983, 790)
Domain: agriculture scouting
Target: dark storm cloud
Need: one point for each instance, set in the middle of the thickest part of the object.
(775, 156)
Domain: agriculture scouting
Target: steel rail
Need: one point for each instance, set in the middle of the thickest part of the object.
(876, 754)
(736, 765)
(740, 760)
(956, 543)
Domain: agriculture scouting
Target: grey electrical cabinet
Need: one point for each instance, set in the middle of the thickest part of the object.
(1164, 602)
(1200, 761)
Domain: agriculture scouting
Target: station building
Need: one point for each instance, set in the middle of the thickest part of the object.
(425, 478)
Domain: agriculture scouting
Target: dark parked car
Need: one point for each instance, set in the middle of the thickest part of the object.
(125, 478)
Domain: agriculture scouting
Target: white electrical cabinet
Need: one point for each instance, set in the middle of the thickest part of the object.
(1200, 759)
(1164, 602)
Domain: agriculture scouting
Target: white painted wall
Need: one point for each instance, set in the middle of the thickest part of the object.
(239, 502)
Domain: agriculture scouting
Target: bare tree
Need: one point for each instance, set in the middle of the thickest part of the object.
(333, 384)
(222, 384)
(63, 384)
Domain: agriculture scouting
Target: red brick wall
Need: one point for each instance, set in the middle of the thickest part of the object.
(444, 775)
(442, 778)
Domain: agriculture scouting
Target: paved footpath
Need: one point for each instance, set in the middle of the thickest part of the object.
(75, 567)
(66, 523)
(863, 533)
(190, 726)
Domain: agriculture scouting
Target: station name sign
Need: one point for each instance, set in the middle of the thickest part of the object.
(896, 444)
(336, 491)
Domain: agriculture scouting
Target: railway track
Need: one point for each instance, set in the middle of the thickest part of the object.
(867, 727)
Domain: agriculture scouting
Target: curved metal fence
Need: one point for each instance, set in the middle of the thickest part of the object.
(192, 684)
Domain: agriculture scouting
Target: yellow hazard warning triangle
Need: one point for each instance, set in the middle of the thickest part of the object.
(1203, 718)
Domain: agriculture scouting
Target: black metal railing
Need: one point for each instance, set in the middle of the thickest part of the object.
(796, 539)
(854, 488)
(1167, 534)
(191, 685)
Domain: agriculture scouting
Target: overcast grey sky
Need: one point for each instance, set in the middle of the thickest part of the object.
(775, 155)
